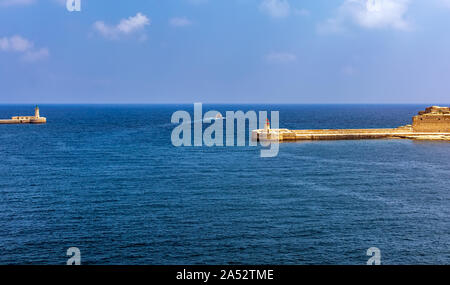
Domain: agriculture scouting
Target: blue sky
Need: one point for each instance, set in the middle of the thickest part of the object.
(225, 51)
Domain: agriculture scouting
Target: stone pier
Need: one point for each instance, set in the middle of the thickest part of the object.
(36, 119)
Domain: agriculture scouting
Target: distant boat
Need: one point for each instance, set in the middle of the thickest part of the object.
(219, 116)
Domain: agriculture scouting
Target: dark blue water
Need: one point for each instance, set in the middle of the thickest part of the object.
(107, 180)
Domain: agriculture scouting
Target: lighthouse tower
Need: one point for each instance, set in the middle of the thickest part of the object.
(267, 126)
(36, 112)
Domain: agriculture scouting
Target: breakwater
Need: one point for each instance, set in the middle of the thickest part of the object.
(36, 119)
(431, 124)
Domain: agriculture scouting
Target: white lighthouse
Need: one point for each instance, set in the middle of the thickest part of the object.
(37, 119)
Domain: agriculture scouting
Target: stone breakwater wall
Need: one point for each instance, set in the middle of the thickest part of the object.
(40, 120)
(36, 119)
(285, 135)
(431, 124)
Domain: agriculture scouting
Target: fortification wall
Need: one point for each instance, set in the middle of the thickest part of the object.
(432, 123)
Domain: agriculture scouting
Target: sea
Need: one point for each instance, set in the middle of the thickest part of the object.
(107, 180)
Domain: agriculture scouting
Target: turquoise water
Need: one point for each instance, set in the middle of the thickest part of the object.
(107, 180)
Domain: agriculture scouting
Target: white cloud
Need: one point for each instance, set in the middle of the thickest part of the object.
(275, 8)
(23, 46)
(15, 43)
(133, 23)
(35, 55)
(7, 3)
(280, 57)
(179, 22)
(125, 26)
(369, 14)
